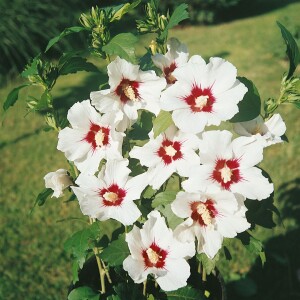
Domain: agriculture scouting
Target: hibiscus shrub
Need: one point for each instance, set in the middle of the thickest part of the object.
(163, 192)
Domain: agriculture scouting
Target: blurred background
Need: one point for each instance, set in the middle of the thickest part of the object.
(33, 264)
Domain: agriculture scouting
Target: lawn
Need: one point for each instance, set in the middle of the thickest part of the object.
(33, 264)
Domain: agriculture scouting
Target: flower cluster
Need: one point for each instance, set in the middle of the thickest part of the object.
(219, 172)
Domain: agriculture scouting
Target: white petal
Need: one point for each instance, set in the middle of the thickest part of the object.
(135, 269)
(117, 171)
(160, 174)
(133, 238)
(276, 125)
(127, 213)
(188, 121)
(90, 164)
(185, 232)
(72, 143)
(248, 150)
(253, 185)
(136, 185)
(212, 242)
(181, 205)
(178, 271)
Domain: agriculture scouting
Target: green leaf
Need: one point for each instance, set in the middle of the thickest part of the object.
(32, 68)
(162, 122)
(44, 103)
(149, 192)
(124, 10)
(42, 197)
(164, 198)
(13, 96)
(249, 107)
(297, 104)
(172, 219)
(75, 269)
(83, 293)
(292, 49)
(207, 263)
(75, 64)
(253, 245)
(179, 14)
(122, 45)
(66, 32)
(116, 252)
(82, 241)
(128, 291)
(185, 293)
(141, 129)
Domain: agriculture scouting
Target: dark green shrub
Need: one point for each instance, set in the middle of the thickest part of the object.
(26, 27)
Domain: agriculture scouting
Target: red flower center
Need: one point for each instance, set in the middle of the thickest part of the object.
(127, 90)
(154, 256)
(226, 172)
(200, 99)
(169, 151)
(113, 195)
(203, 212)
(168, 73)
(97, 136)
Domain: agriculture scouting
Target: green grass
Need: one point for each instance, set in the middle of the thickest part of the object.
(33, 264)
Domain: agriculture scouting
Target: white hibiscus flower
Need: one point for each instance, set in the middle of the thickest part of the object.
(268, 133)
(57, 181)
(204, 94)
(176, 56)
(91, 138)
(210, 217)
(111, 194)
(130, 90)
(173, 151)
(154, 250)
(229, 166)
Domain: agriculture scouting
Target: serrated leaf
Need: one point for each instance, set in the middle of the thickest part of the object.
(207, 263)
(162, 122)
(116, 252)
(32, 68)
(67, 31)
(292, 49)
(164, 198)
(179, 14)
(76, 64)
(82, 241)
(149, 192)
(122, 45)
(249, 107)
(12, 97)
(44, 103)
(185, 293)
(83, 293)
(124, 10)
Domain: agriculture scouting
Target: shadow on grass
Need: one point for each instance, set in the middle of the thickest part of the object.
(250, 8)
(77, 93)
(280, 277)
(20, 138)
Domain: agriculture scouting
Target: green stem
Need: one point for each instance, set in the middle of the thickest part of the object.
(145, 287)
(100, 269)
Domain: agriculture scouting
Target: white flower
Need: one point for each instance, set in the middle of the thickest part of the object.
(210, 217)
(230, 166)
(111, 195)
(90, 139)
(130, 90)
(173, 151)
(176, 56)
(154, 250)
(57, 181)
(204, 94)
(268, 133)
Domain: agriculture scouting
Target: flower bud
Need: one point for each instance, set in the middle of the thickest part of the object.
(58, 181)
